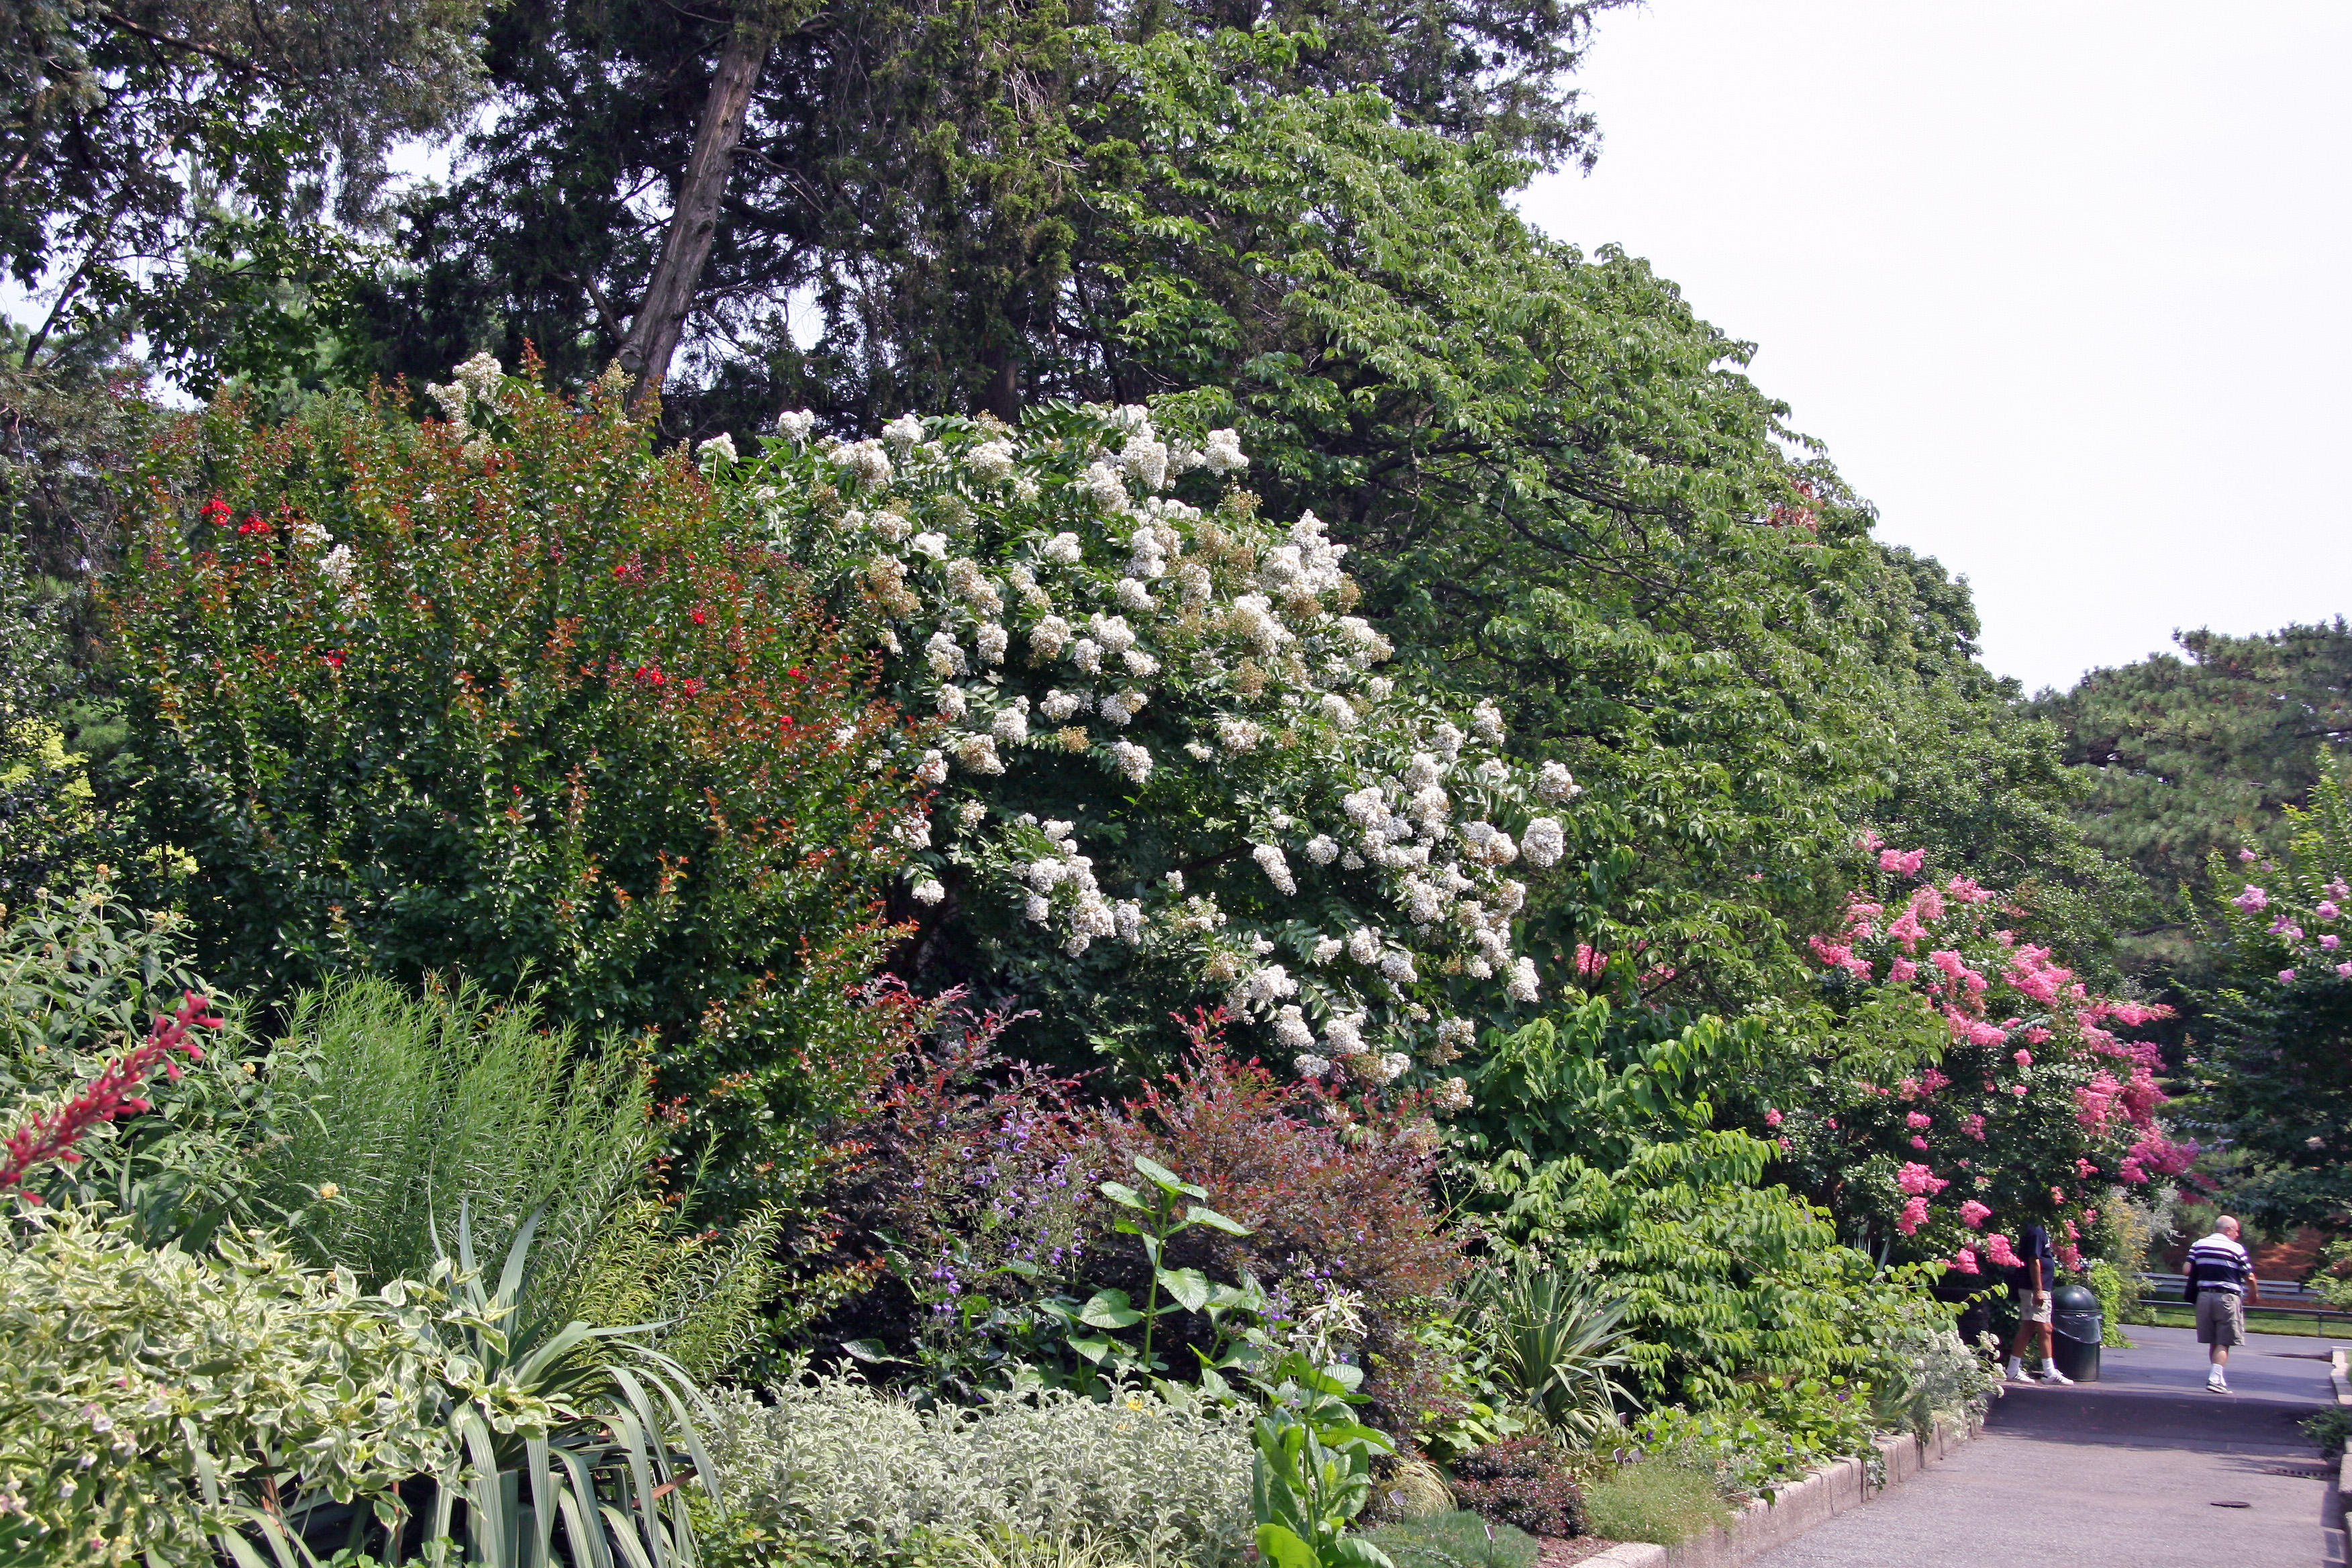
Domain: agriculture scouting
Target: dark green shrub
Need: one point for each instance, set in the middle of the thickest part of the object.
(508, 696)
(1521, 1482)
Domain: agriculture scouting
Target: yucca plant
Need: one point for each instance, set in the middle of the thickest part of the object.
(601, 1469)
(1550, 1344)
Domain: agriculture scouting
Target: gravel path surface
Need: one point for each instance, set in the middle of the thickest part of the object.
(2123, 1473)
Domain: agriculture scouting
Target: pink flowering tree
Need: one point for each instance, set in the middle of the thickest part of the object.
(1969, 1085)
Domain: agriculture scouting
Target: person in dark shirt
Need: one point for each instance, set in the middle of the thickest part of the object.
(2032, 1294)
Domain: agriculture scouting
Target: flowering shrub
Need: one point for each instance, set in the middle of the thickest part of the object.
(1169, 769)
(507, 694)
(2001, 1096)
(833, 1467)
(47, 1135)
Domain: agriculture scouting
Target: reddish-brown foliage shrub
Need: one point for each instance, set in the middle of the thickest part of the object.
(1520, 1481)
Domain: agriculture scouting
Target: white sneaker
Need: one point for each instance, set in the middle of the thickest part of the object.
(2052, 1376)
(2217, 1384)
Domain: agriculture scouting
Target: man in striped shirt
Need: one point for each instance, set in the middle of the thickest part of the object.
(2220, 1275)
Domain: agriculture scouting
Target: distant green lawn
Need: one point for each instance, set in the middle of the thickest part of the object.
(2286, 1321)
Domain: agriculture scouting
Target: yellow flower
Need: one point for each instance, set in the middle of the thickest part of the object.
(328, 1189)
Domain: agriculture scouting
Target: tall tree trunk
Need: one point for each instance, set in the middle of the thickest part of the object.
(694, 219)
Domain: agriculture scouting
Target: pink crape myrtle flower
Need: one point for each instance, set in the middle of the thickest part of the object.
(2025, 1059)
(1916, 1178)
(1964, 1261)
(2245, 855)
(2253, 899)
(1915, 1215)
(2330, 943)
(1902, 968)
(1974, 1127)
(2344, 970)
(1902, 862)
(1918, 1119)
(1998, 1249)
(1965, 890)
(2085, 1168)
(2287, 977)
(1974, 1214)
(1773, 1117)
(1918, 1142)
(2325, 909)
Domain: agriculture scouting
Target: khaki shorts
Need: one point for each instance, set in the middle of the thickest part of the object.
(2032, 1306)
(2221, 1317)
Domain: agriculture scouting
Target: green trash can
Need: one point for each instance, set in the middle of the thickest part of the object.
(2076, 1326)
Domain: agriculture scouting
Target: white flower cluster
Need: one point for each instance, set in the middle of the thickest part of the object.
(1062, 606)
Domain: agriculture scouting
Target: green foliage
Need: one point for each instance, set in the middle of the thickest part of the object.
(1654, 1499)
(1522, 1482)
(2276, 1082)
(2328, 1430)
(397, 1113)
(1724, 1280)
(510, 696)
(1313, 1470)
(599, 1464)
(1550, 1343)
(2118, 1296)
(830, 1467)
(1458, 1538)
(161, 1401)
(2190, 756)
(703, 1292)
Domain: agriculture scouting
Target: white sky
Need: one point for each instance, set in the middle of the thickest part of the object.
(2061, 284)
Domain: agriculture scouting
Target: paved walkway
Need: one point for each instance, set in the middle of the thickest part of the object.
(2123, 1473)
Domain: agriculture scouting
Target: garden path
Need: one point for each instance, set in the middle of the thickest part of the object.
(2123, 1473)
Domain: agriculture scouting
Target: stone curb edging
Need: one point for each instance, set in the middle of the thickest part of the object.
(1762, 1525)
(2340, 1380)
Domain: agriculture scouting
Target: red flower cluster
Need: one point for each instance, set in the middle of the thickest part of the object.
(51, 1135)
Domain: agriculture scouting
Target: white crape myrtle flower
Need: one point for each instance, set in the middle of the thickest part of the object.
(972, 813)
(1049, 637)
(972, 586)
(308, 534)
(1147, 459)
(720, 447)
(1493, 773)
(1063, 549)
(913, 830)
(1366, 646)
(1343, 1035)
(1521, 987)
(1223, 455)
(934, 545)
(1396, 967)
(978, 753)
(337, 565)
(1133, 762)
(1086, 654)
(991, 462)
(1321, 849)
(1238, 735)
(1424, 905)
(1486, 721)
(952, 702)
(1454, 1094)
(1270, 860)
(1454, 1033)
(1192, 581)
(1037, 908)
(1127, 914)
(1266, 985)
(1122, 705)
(1367, 808)
(1058, 706)
(902, 433)
(1309, 1065)
(1338, 709)
(1290, 1029)
(1555, 783)
(794, 425)
(1132, 594)
(933, 768)
(866, 462)
(1252, 619)
(1543, 842)
(1106, 486)
(1378, 1068)
(1447, 739)
(928, 892)
(1327, 948)
(890, 526)
(1364, 945)
(1140, 664)
(1510, 897)
(943, 654)
(1012, 722)
(1112, 632)
(993, 641)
